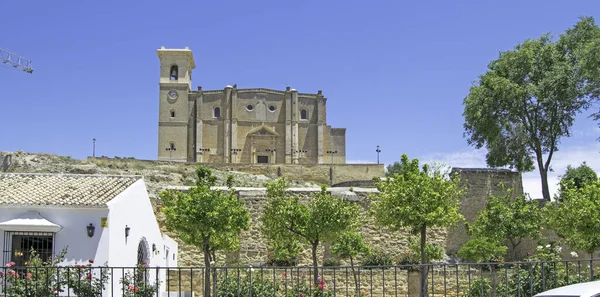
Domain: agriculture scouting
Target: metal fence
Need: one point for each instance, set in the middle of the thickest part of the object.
(488, 279)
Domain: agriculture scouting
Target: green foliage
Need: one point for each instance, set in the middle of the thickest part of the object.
(417, 198)
(322, 219)
(576, 216)
(504, 219)
(528, 100)
(232, 286)
(138, 283)
(433, 251)
(540, 274)
(206, 218)
(350, 245)
(577, 177)
(304, 290)
(230, 181)
(283, 252)
(331, 262)
(84, 283)
(480, 287)
(482, 249)
(378, 258)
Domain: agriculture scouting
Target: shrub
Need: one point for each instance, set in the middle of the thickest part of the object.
(137, 283)
(311, 291)
(241, 287)
(480, 287)
(331, 262)
(378, 258)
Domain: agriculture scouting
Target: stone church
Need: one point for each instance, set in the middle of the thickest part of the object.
(240, 125)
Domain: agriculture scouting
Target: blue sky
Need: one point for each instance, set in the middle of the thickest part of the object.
(394, 72)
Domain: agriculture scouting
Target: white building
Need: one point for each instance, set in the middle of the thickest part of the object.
(109, 219)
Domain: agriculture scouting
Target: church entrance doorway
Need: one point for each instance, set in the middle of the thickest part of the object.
(262, 159)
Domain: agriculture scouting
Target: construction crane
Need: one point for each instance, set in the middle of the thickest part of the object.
(15, 61)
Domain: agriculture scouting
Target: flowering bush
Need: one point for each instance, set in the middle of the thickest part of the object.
(83, 283)
(320, 290)
(137, 283)
(41, 278)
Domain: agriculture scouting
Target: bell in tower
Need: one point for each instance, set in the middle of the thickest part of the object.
(174, 73)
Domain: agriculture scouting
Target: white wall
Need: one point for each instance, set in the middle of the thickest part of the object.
(73, 234)
(133, 208)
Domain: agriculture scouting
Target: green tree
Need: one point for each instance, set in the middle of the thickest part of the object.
(482, 249)
(528, 100)
(207, 218)
(507, 218)
(576, 217)
(322, 219)
(349, 246)
(418, 199)
(578, 177)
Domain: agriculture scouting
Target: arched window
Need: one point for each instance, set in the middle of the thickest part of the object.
(303, 114)
(174, 73)
(217, 113)
(172, 113)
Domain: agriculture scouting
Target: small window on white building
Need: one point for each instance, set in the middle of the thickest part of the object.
(217, 112)
(303, 114)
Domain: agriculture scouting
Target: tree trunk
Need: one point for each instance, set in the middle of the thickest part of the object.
(207, 283)
(544, 177)
(424, 268)
(315, 245)
(355, 278)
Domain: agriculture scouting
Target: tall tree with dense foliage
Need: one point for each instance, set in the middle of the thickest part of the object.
(528, 99)
(576, 216)
(322, 219)
(506, 218)
(207, 218)
(578, 177)
(418, 198)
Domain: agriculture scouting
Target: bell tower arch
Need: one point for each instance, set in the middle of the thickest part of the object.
(175, 106)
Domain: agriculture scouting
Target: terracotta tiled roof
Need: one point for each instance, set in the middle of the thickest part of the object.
(61, 189)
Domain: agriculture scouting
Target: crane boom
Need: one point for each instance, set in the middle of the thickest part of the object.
(15, 61)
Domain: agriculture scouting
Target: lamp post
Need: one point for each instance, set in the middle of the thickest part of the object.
(331, 168)
(235, 151)
(378, 151)
(171, 149)
(94, 148)
(201, 152)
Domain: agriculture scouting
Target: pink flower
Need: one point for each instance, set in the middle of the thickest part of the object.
(1, 274)
(89, 276)
(321, 286)
(301, 295)
(28, 275)
(91, 261)
(284, 274)
(130, 288)
(144, 263)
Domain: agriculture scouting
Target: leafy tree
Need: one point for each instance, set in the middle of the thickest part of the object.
(576, 217)
(418, 198)
(349, 246)
(393, 169)
(323, 219)
(528, 100)
(206, 218)
(507, 219)
(482, 249)
(578, 177)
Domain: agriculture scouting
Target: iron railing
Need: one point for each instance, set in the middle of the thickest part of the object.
(487, 279)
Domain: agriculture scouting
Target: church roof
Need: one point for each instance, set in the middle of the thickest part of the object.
(75, 190)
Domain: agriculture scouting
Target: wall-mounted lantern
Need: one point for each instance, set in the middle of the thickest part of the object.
(90, 230)
(154, 247)
(126, 232)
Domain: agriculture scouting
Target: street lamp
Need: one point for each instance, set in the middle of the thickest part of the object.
(201, 152)
(94, 148)
(235, 151)
(378, 151)
(331, 168)
(300, 152)
(171, 149)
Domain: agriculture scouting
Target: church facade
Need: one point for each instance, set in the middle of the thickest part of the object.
(236, 125)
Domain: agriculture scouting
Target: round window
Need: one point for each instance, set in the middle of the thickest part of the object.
(249, 107)
(272, 108)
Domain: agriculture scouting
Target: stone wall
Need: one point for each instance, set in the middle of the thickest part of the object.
(253, 249)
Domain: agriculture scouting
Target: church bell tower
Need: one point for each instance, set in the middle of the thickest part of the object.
(174, 107)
